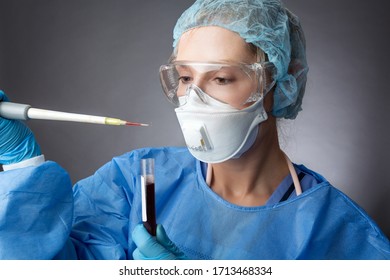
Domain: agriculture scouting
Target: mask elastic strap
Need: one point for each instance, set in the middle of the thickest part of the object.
(297, 184)
(209, 174)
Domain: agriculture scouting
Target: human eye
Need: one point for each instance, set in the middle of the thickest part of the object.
(184, 74)
(185, 79)
(224, 80)
(225, 76)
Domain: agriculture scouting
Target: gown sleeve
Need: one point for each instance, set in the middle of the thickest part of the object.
(36, 208)
(102, 205)
(43, 217)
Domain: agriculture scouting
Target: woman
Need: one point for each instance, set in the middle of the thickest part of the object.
(232, 193)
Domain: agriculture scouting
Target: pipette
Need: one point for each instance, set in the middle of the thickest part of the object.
(17, 111)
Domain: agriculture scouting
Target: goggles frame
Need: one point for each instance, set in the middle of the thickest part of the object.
(264, 73)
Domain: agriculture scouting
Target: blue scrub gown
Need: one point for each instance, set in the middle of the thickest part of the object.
(42, 217)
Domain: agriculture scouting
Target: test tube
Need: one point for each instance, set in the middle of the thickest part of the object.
(148, 198)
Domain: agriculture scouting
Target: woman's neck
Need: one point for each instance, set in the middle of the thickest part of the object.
(251, 179)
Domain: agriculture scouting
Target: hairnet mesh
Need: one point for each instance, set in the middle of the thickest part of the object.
(270, 27)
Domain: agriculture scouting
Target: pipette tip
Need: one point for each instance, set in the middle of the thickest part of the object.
(136, 124)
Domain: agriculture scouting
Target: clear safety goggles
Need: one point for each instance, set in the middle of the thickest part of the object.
(236, 84)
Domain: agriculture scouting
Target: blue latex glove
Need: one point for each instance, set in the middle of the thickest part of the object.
(17, 142)
(154, 248)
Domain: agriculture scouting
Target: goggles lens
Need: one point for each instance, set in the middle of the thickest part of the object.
(234, 84)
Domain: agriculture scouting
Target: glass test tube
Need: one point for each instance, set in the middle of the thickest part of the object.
(148, 198)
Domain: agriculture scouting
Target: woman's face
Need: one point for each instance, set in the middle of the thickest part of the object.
(216, 44)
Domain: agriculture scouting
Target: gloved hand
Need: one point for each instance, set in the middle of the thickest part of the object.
(17, 142)
(154, 248)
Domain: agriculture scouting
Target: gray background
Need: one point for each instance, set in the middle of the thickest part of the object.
(102, 57)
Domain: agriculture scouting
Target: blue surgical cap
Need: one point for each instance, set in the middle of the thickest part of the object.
(268, 25)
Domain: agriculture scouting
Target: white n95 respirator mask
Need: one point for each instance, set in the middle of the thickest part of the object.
(215, 131)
